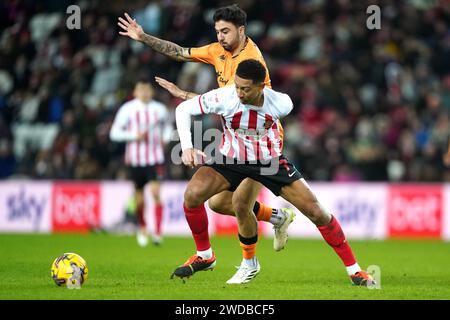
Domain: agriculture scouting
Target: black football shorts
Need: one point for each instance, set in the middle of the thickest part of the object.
(274, 175)
(141, 175)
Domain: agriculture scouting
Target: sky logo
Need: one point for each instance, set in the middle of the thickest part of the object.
(22, 208)
(356, 211)
(175, 211)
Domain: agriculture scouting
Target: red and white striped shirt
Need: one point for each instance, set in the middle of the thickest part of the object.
(134, 117)
(249, 132)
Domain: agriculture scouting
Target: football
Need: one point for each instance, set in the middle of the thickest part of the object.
(69, 270)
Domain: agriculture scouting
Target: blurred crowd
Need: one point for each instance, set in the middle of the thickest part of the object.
(370, 105)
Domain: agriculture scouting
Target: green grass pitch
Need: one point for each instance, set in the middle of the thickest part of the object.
(306, 269)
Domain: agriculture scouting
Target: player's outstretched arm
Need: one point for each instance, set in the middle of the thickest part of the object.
(174, 89)
(133, 30)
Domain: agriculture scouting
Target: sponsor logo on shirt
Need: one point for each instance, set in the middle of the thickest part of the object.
(255, 133)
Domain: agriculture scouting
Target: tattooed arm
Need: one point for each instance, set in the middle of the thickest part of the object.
(167, 48)
(133, 30)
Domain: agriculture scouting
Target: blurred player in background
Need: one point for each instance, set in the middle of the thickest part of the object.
(144, 125)
(232, 47)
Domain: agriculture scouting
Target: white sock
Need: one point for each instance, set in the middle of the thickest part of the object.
(277, 217)
(206, 254)
(353, 269)
(252, 263)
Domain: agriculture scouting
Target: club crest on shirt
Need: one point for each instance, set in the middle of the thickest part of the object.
(221, 79)
(250, 133)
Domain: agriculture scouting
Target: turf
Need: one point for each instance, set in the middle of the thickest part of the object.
(306, 269)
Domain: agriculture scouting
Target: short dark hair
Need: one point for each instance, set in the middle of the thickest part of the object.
(251, 69)
(232, 14)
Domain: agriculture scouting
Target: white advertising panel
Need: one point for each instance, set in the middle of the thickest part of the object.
(360, 208)
(114, 198)
(115, 195)
(174, 221)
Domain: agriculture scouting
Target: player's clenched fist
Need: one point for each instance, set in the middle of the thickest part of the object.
(192, 157)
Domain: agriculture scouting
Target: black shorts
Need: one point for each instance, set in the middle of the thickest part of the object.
(275, 175)
(141, 175)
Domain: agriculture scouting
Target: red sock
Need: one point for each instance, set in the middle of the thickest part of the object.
(198, 222)
(158, 218)
(334, 236)
(140, 216)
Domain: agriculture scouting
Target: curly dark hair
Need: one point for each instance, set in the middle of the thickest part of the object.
(232, 14)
